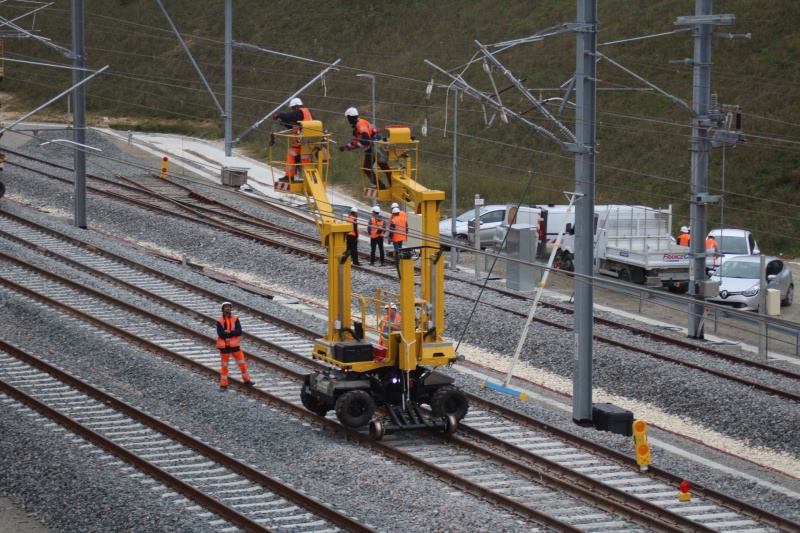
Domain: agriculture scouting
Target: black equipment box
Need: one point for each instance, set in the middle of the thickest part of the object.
(609, 417)
(352, 352)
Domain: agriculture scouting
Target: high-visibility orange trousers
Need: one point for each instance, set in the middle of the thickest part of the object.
(292, 158)
(223, 371)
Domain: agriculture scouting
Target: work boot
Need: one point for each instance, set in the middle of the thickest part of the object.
(249, 383)
(284, 179)
(297, 180)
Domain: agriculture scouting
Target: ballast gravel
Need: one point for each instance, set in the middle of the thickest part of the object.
(41, 468)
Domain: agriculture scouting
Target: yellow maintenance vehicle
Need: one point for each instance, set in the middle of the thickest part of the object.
(399, 375)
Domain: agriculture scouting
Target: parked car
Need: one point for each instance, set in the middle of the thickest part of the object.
(491, 217)
(731, 242)
(740, 279)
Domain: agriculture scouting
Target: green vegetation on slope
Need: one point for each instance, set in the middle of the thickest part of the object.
(643, 137)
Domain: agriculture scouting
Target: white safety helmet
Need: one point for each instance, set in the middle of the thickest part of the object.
(295, 102)
(395, 210)
(351, 112)
(354, 209)
(376, 209)
(684, 229)
(392, 306)
(226, 303)
(395, 204)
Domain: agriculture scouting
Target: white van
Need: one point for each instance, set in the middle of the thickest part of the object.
(527, 215)
(550, 219)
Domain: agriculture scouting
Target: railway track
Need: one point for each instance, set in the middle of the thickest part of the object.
(173, 199)
(487, 481)
(194, 471)
(643, 342)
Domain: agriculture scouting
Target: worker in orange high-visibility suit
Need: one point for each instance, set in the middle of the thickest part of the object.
(364, 134)
(684, 237)
(711, 242)
(229, 336)
(389, 323)
(398, 229)
(290, 120)
(352, 236)
(377, 227)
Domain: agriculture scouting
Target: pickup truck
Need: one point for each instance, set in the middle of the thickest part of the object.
(633, 243)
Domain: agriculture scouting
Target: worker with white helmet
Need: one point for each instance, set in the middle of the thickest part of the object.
(290, 120)
(352, 236)
(377, 227)
(683, 238)
(229, 337)
(389, 323)
(364, 134)
(398, 230)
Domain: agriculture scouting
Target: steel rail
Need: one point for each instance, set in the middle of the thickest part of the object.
(587, 489)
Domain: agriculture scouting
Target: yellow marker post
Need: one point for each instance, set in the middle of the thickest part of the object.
(164, 167)
(641, 445)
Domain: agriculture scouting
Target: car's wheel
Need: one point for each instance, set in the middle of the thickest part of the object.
(450, 400)
(462, 240)
(312, 404)
(625, 275)
(786, 302)
(566, 262)
(354, 409)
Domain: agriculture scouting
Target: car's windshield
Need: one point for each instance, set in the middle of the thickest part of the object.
(467, 216)
(732, 245)
(739, 269)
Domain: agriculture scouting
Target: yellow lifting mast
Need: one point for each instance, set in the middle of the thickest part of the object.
(400, 150)
(363, 375)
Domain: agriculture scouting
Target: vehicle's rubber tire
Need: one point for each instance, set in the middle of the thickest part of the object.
(376, 429)
(567, 263)
(462, 240)
(450, 424)
(625, 275)
(786, 302)
(313, 405)
(354, 409)
(450, 400)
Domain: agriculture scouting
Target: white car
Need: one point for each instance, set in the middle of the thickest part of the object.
(731, 242)
(740, 281)
(491, 217)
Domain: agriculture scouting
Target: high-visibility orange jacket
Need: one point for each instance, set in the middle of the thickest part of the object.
(398, 227)
(683, 239)
(352, 217)
(712, 243)
(291, 118)
(362, 135)
(387, 326)
(229, 341)
(376, 227)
